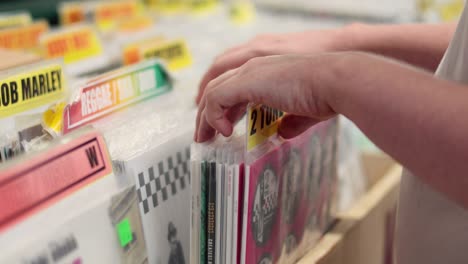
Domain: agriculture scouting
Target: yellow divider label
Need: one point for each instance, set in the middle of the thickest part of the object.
(242, 12)
(202, 6)
(452, 10)
(107, 14)
(132, 52)
(134, 24)
(15, 20)
(262, 123)
(175, 53)
(167, 6)
(31, 89)
(73, 44)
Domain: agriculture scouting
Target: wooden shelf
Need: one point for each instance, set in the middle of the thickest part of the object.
(364, 233)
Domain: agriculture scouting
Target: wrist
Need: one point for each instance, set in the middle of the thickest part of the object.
(346, 38)
(328, 77)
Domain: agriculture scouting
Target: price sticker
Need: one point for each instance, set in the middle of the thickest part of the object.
(124, 232)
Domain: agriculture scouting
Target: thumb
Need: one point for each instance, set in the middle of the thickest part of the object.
(293, 125)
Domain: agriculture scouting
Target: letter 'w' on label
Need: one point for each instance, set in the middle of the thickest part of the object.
(262, 124)
(92, 157)
(124, 232)
(29, 87)
(115, 90)
(38, 181)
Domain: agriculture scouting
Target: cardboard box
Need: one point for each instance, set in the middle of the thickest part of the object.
(364, 234)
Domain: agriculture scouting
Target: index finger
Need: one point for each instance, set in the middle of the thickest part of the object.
(226, 62)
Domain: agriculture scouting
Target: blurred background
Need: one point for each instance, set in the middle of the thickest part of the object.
(396, 10)
(124, 33)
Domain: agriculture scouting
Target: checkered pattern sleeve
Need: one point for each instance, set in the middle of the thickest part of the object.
(162, 180)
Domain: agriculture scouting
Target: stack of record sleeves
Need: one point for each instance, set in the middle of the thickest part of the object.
(259, 198)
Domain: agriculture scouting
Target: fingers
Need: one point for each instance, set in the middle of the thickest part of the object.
(232, 59)
(293, 125)
(223, 107)
(220, 113)
(235, 114)
(202, 104)
(280, 82)
(227, 96)
(204, 131)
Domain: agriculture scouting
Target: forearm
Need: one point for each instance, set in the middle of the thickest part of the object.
(422, 45)
(417, 119)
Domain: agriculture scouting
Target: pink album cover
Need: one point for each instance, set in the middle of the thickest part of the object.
(262, 215)
(240, 210)
(290, 190)
(293, 206)
(319, 146)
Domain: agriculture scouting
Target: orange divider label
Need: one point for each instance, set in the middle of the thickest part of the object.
(73, 44)
(132, 52)
(115, 10)
(72, 13)
(27, 186)
(108, 13)
(26, 37)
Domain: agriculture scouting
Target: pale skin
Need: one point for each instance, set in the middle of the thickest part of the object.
(413, 116)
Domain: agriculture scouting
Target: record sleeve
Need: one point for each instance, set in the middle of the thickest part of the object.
(162, 176)
(229, 189)
(195, 171)
(203, 212)
(261, 210)
(211, 209)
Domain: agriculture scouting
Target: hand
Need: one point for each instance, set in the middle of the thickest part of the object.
(296, 84)
(265, 45)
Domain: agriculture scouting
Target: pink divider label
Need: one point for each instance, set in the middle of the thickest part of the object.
(28, 186)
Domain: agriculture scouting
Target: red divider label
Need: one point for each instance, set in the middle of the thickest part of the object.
(48, 177)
